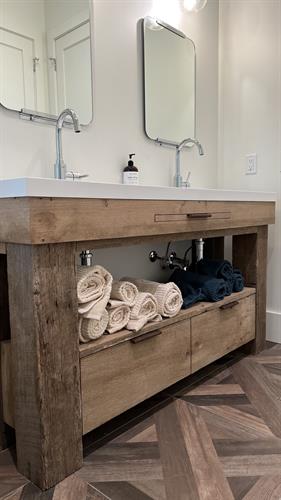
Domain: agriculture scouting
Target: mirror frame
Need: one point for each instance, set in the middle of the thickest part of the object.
(37, 116)
(162, 140)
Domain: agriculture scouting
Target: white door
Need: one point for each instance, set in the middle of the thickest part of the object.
(73, 72)
(17, 81)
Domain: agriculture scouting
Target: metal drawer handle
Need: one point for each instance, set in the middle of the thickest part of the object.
(229, 306)
(199, 216)
(146, 336)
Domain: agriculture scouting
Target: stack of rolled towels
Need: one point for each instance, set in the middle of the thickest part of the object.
(108, 306)
(214, 280)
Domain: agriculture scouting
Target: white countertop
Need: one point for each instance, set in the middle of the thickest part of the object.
(53, 188)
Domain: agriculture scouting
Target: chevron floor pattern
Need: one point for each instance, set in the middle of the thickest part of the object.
(217, 439)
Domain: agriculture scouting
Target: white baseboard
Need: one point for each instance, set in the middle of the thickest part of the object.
(273, 326)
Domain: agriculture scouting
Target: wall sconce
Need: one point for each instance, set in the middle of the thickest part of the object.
(194, 5)
(166, 10)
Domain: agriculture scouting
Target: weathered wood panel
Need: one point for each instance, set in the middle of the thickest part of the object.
(45, 357)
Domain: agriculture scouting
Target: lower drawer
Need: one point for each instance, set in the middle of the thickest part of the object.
(121, 376)
(217, 332)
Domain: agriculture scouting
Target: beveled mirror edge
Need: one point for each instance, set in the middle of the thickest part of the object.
(161, 140)
(47, 118)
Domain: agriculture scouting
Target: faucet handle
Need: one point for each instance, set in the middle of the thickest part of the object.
(75, 175)
(187, 183)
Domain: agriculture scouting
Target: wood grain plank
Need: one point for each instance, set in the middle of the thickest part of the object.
(226, 422)
(232, 447)
(154, 489)
(45, 354)
(266, 487)
(262, 391)
(51, 220)
(250, 256)
(4, 334)
(7, 384)
(205, 463)
(10, 478)
(241, 485)
(251, 465)
(218, 332)
(216, 390)
(122, 490)
(109, 378)
(179, 479)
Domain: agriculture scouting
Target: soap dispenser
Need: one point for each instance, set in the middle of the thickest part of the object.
(130, 172)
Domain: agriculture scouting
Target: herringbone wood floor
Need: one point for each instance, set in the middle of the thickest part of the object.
(217, 439)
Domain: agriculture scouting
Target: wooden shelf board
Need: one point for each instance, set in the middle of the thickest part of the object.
(107, 341)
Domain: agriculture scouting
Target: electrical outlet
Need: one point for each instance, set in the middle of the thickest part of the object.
(251, 164)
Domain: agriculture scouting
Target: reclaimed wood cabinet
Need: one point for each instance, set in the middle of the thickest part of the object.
(61, 389)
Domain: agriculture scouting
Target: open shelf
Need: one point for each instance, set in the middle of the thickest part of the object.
(117, 338)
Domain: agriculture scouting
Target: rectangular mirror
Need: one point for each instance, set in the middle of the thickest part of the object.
(169, 82)
(45, 57)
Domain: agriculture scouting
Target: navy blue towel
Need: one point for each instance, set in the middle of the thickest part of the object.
(221, 269)
(212, 289)
(190, 295)
(238, 281)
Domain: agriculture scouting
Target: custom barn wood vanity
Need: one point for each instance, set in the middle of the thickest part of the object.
(53, 390)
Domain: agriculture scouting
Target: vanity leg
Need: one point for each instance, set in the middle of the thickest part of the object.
(45, 361)
(250, 255)
(4, 335)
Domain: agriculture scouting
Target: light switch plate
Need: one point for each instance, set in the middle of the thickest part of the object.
(251, 164)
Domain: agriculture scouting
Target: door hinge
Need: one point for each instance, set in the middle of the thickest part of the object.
(35, 62)
(54, 62)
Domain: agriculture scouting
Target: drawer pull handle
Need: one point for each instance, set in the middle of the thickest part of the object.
(229, 306)
(146, 336)
(199, 216)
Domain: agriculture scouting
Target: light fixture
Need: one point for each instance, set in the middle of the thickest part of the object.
(168, 11)
(194, 5)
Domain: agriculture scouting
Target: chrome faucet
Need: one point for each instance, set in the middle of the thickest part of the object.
(60, 166)
(178, 177)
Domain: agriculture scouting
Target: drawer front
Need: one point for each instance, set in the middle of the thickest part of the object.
(53, 220)
(222, 330)
(119, 377)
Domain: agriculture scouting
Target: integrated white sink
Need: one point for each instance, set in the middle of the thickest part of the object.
(53, 188)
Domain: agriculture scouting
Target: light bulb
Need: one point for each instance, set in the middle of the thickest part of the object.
(194, 5)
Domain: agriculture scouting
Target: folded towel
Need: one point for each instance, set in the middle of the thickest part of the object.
(119, 315)
(229, 285)
(190, 295)
(144, 310)
(221, 269)
(213, 289)
(124, 291)
(92, 329)
(238, 281)
(168, 295)
(93, 291)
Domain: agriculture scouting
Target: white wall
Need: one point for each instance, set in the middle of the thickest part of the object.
(250, 94)
(101, 150)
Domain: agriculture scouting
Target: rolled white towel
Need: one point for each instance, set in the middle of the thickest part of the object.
(93, 291)
(92, 329)
(119, 315)
(125, 291)
(168, 295)
(143, 311)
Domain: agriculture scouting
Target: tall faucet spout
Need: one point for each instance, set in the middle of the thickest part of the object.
(180, 146)
(60, 167)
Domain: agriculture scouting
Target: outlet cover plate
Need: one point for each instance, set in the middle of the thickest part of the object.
(251, 164)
